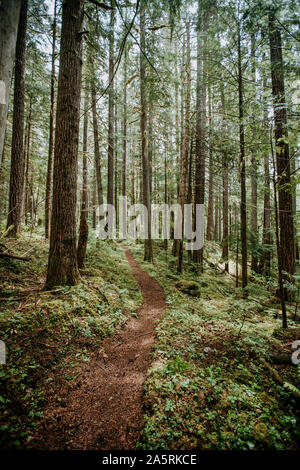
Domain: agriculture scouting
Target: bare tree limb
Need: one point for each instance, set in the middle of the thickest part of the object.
(7, 255)
(101, 5)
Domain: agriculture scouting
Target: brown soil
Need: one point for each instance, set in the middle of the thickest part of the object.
(104, 411)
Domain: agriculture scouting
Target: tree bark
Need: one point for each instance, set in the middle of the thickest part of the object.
(51, 131)
(9, 20)
(285, 199)
(185, 142)
(16, 184)
(200, 122)
(94, 200)
(278, 246)
(225, 180)
(210, 208)
(236, 247)
(242, 167)
(62, 263)
(96, 143)
(166, 183)
(83, 227)
(148, 254)
(253, 226)
(189, 197)
(110, 163)
(265, 261)
(216, 232)
(27, 146)
(124, 162)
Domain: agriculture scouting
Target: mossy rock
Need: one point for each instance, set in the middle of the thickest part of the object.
(188, 287)
(286, 334)
(262, 434)
(171, 276)
(204, 284)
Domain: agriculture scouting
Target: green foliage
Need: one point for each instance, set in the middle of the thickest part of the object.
(48, 335)
(208, 387)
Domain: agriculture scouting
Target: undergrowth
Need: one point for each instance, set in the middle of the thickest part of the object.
(210, 385)
(49, 334)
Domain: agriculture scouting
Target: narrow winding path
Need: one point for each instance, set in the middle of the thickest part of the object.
(105, 411)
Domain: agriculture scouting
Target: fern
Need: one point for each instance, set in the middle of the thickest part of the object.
(292, 388)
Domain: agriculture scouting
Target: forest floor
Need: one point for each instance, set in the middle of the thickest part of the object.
(212, 384)
(91, 367)
(51, 335)
(110, 387)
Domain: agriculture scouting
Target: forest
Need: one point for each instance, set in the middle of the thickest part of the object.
(149, 225)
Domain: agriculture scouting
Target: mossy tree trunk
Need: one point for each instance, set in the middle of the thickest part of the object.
(51, 130)
(16, 184)
(9, 20)
(62, 262)
(148, 254)
(83, 226)
(285, 198)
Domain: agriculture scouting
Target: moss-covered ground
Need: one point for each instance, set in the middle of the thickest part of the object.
(211, 385)
(48, 335)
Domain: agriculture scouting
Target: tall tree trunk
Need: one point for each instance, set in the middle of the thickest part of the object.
(124, 163)
(16, 185)
(124, 160)
(236, 247)
(189, 197)
(278, 245)
(62, 263)
(216, 234)
(253, 226)
(200, 121)
(27, 146)
(96, 143)
(133, 199)
(179, 134)
(185, 143)
(265, 262)
(148, 255)
(210, 208)
(116, 165)
(51, 130)
(94, 200)
(150, 147)
(83, 227)
(166, 184)
(9, 20)
(225, 178)
(110, 164)
(285, 198)
(2, 166)
(293, 170)
(242, 166)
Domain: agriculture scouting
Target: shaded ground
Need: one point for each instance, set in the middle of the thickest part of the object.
(212, 384)
(104, 410)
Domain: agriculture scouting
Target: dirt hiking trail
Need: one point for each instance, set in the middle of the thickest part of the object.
(105, 410)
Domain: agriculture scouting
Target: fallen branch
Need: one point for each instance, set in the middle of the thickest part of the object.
(101, 5)
(7, 255)
(280, 380)
(156, 28)
(281, 360)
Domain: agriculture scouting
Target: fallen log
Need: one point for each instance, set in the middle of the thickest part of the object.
(293, 390)
(7, 255)
(281, 359)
